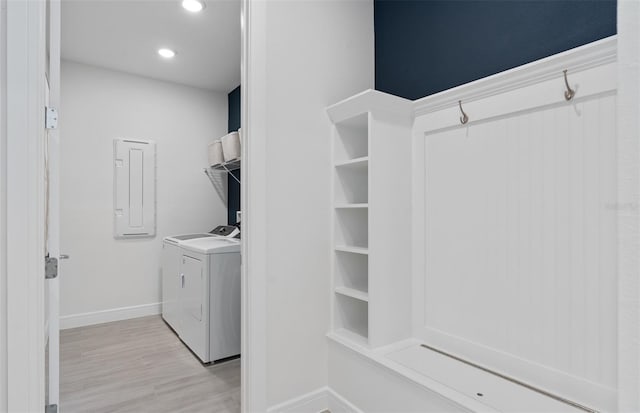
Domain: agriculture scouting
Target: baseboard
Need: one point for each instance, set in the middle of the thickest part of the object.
(106, 316)
(312, 402)
(317, 401)
(338, 404)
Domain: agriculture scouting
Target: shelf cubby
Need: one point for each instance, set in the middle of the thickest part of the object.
(352, 138)
(352, 271)
(352, 227)
(352, 315)
(351, 186)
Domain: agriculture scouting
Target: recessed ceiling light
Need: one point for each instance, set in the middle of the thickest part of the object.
(166, 53)
(193, 6)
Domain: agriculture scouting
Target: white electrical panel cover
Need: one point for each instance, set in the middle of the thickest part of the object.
(134, 188)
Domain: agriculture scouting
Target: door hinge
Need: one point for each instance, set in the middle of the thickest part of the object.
(50, 118)
(50, 267)
(51, 408)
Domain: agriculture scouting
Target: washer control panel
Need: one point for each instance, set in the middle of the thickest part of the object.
(229, 231)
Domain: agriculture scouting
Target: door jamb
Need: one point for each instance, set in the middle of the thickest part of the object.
(25, 204)
(253, 206)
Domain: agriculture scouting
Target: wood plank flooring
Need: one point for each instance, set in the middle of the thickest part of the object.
(140, 365)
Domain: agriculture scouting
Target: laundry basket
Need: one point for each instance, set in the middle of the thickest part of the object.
(216, 156)
(231, 146)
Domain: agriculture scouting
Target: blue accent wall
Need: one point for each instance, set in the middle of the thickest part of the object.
(426, 46)
(233, 187)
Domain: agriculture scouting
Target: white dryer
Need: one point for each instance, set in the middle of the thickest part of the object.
(171, 257)
(203, 294)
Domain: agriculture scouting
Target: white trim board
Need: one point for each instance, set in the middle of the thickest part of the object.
(579, 59)
(254, 221)
(338, 404)
(107, 316)
(316, 401)
(25, 205)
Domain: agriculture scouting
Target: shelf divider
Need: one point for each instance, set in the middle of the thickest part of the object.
(352, 206)
(354, 163)
(350, 336)
(355, 250)
(353, 293)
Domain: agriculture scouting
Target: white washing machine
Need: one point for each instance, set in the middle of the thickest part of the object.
(201, 294)
(178, 239)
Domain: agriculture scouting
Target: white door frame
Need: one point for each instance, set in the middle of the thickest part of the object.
(253, 206)
(25, 205)
(3, 207)
(53, 290)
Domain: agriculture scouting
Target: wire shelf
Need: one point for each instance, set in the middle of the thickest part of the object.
(226, 167)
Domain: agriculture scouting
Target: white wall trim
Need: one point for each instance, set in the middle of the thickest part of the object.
(316, 401)
(597, 80)
(338, 404)
(581, 58)
(530, 371)
(107, 316)
(25, 205)
(3, 207)
(254, 220)
(312, 402)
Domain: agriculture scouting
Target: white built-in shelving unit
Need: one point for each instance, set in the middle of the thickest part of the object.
(371, 131)
(477, 260)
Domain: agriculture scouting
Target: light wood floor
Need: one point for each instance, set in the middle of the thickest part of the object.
(140, 365)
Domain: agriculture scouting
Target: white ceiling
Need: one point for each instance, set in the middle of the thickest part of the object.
(126, 34)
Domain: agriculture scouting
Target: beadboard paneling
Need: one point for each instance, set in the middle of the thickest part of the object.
(520, 243)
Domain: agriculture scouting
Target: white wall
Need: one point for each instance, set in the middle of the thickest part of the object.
(628, 195)
(98, 105)
(3, 207)
(313, 54)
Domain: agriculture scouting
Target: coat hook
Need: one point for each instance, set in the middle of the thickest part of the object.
(569, 93)
(464, 118)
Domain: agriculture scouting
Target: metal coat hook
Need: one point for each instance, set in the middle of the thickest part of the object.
(569, 93)
(464, 118)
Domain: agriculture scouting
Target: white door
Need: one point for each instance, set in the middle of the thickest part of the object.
(52, 208)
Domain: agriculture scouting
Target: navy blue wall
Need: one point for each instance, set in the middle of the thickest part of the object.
(233, 187)
(427, 46)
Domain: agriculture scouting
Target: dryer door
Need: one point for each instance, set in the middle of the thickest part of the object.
(193, 323)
